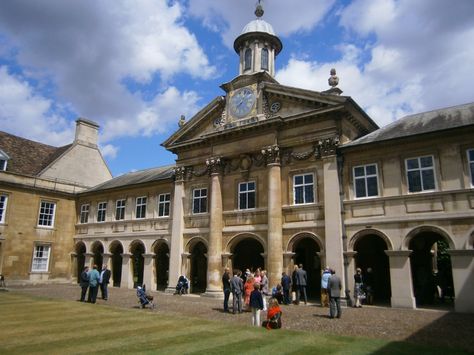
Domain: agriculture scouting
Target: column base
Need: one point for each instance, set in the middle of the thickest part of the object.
(170, 290)
(408, 302)
(213, 294)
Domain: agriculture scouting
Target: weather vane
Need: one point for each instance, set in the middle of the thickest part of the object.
(259, 10)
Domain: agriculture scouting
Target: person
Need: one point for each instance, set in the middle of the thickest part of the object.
(248, 287)
(301, 281)
(84, 282)
(334, 288)
(104, 280)
(286, 286)
(256, 304)
(294, 284)
(226, 288)
(324, 287)
(369, 286)
(93, 284)
(274, 313)
(264, 288)
(277, 293)
(358, 288)
(258, 275)
(237, 288)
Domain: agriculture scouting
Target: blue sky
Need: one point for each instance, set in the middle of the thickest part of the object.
(135, 66)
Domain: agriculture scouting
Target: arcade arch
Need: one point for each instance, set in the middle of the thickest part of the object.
(137, 249)
(80, 250)
(97, 249)
(247, 252)
(198, 267)
(116, 251)
(162, 262)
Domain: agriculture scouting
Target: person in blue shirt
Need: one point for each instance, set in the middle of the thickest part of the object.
(324, 287)
(94, 277)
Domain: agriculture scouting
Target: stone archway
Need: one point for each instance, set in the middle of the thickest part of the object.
(431, 268)
(80, 250)
(116, 251)
(162, 263)
(371, 255)
(137, 249)
(97, 250)
(198, 274)
(306, 249)
(247, 253)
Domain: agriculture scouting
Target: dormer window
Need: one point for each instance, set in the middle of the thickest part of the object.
(248, 59)
(3, 160)
(264, 59)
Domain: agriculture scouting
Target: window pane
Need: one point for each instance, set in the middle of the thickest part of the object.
(248, 59)
(298, 179)
(471, 155)
(242, 187)
(242, 201)
(309, 194)
(370, 169)
(203, 207)
(195, 206)
(251, 200)
(3, 207)
(426, 162)
(412, 164)
(251, 185)
(372, 188)
(360, 188)
(414, 181)
(299, 195)
(308, 179)
(472, 174)
(264, 59)
(428, 180)
(359, 171)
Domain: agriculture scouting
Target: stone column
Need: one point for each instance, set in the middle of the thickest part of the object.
(149, 278)
(462, 262)
(400, 279)
(214, 267)
(287, 256)
(127, 273)
(88, 257)
(275, 217)
(226, 257)
(332, 208)
(177, 226)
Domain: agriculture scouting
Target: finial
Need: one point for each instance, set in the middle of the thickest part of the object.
(182, 121)
(333, 80)
(259, 10)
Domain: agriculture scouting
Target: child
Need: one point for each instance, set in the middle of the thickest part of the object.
(273, 315)
(256, 304)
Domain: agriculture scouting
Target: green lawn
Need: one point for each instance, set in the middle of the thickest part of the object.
(43, 326)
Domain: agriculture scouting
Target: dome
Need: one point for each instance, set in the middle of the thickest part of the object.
(258, 25)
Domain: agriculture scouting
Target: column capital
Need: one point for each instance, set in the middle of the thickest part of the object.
(149, 255)
(327, 147)
(180, 173)
(461, 252)
(215, 165)
(349, 254)
(398, 253)
(125, 255)
(271, 154)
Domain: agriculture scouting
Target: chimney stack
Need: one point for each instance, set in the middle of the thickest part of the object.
(87, 132)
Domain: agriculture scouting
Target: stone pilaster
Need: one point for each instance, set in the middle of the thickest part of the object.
(400, 279)
(214, 267)
(287, 264)
(349, 264)
(127, 273)
(275, 217)
(88, 258)
(462, 262)
(74, 266)
(177, 226)
(149, 278)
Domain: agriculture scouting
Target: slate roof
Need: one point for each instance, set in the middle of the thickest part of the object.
(28, 157)
(421, 123)
(135, 178)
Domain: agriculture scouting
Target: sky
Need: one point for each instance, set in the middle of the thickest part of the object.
(136, 66)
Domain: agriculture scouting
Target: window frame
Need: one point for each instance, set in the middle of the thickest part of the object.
(3, 209)
(248, 59)
(101, 212)
(163, 204)
(121, 208)
(47, 258)
(53, 217)
(265, 59)
(201, 197)
(247, 193)
(145, 198)
(365, 178)
(469, 164)
(420, 169)
(304, 190)
(84, 213)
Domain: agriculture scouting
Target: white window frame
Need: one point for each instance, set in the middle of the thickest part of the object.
(143, 202)
(41, 215)
(365, 177)
(200, 197)
(84, 213)
(164, 200)
(3, 207)
(421, 169)
(470, 164)
(303, 185)
(101, 211)
(121, 208)
(247, 192)
(38, 261)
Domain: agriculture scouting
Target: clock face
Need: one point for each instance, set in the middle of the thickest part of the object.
(242, 102)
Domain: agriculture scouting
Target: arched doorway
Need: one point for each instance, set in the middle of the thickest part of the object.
(198, 268)
(371, 254)
(162, 263)
(137, 249)
(431, 269)
(80, 250)
(306, 249)
(97, 254)
(116, 250)
(247, 254)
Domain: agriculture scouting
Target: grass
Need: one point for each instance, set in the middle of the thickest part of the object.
(33, 325)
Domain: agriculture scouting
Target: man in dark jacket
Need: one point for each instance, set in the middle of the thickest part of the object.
(286, 286)
(301, 282)
(334, 288)
(226, 288)
(84, 282)
(237, 288)
(104, 282)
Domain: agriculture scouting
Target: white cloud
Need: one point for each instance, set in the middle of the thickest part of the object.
(109, 151)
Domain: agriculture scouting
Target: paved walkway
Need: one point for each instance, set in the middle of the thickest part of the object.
(419, 326)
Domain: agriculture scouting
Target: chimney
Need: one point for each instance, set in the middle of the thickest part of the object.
(86, 132)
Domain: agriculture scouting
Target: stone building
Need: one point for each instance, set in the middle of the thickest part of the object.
(38, 184)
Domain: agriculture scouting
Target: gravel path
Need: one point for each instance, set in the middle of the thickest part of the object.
(433, 327)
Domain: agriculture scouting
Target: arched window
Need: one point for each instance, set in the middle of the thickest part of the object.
(248, 59)
(264, 59)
